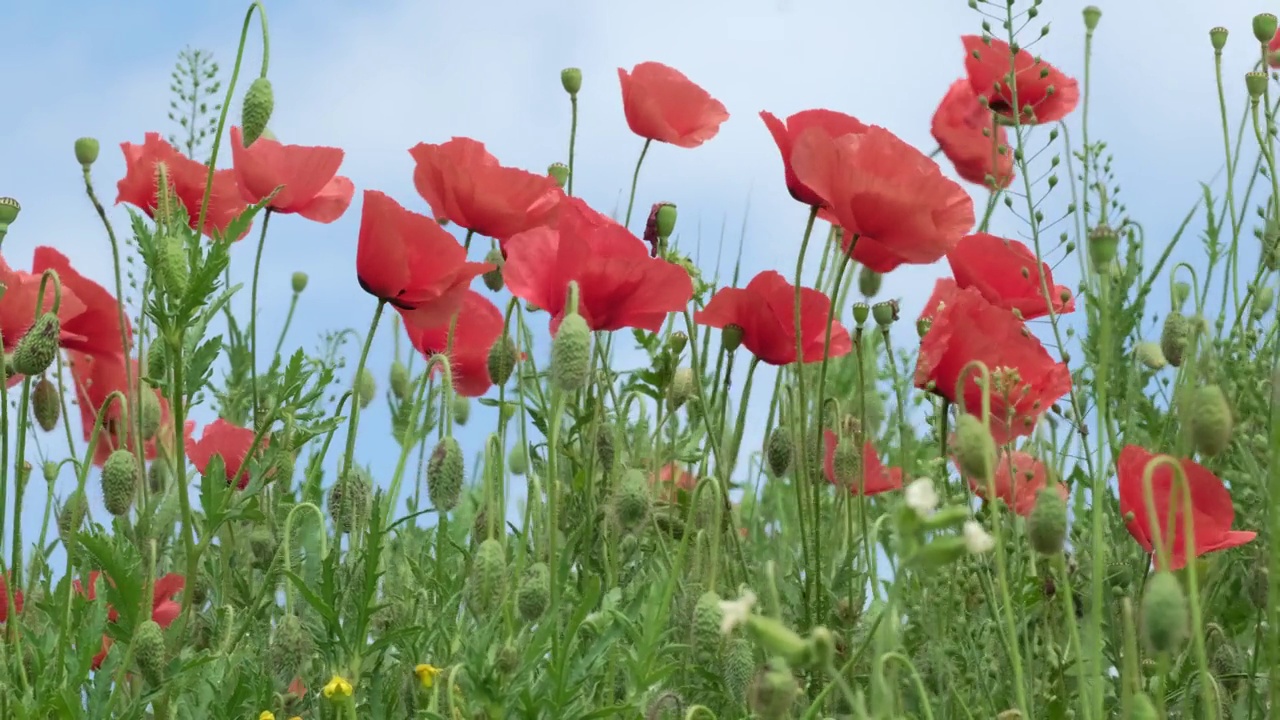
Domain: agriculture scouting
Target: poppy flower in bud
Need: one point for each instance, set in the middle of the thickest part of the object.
(1025, 380)
(786, 132)
(1019, 478)
(18, 307)
(188, 179)
(96, 377)
(1008, 275)
(662, 104)
(478, 327)
(307, 177)
(1212, 511)
(765, 310)
(96, 328)
(894, 203)
(619, 284)
(963, 128)
(876, 478)
(164, 608)
(411, 262)
(231, 442)
(1044, 93)
(466, 185)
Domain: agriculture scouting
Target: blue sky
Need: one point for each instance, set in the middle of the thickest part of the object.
(375, 78)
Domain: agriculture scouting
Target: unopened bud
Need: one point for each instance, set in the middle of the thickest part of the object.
(1047, 524)
(571, 354)
(120, 477)
(445, 471)
(681, 387)
(148, 648)
(366, 387)
(632, 501)
(259, 101)
(534, 592)
(677, 342)
(1151, 356)
(1164, 613)
(502, 360)
(488, 581)
(1211, 420)
(869, 282)
(493, 278)
(975, 448)
(46, 404)
(779, 451)
(399, 380)
(299, 281)
(37, 350)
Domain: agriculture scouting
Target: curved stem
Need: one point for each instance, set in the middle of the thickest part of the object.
(253, 314)
(635, 179)
(288, 320)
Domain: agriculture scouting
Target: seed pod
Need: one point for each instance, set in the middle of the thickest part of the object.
(298, 282)
(493, 278)
(366, 387)
(631, 501)
(1174, 337)
(517, 463)
(559, 172)
(1164, 613)
(87, 151)
(681, 388)
(399, 380)
(571, 80)
(571, 354)
(534, 592)
(148, 648)
(120, 476)
(731, 337)
(779, 451)
(290, 649)
(46, 404)
(1211, 421)
(349, 500)
(738, 666)
(488, 579)
(1047, 524)
(502, 360)
(37, 350)
(445, 471)
(975, 448)
(259, 102)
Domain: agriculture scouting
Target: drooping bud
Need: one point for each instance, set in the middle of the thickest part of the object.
(87, 151)
(399, 380)
(488, 581)
(461, 409)
(1263, 298)
(1092, 14)
(560, 173)
(148, 648)
(534, 592)
(1218, 38)
(71, 515)
(975, 448)
(738, 665)
(259, 101)
(299, 282)
(493, 278)
(604, 447)
(149, 412)
(502, 360)
(1264, 27)
(681, 388)
(861, 311)
(366, 387)
(778, 639)
(120, 477)
(349, 500)
(517, 462)
(445, 472)
(846, 462)
(37, 350)
(1103, 243)
(1256, 83)
(571, 354)
(779, 451)
(1047, 524)
(1174, 337)
(1164, 613)
(46, 404)
(869, 282)
(1211, 421)
(631, 501)
(571, 80)
(9, 209)
(731, 337)
(290, 649)
(1151, 356)
(773, 692)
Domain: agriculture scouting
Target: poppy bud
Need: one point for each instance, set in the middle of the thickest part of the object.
(846, 461)
(289, 649)
(1210, 420)
(975, 448)
(1262, 301)
(399, 380)
(1174, 337)
(71, 515)
(1092, 14)
(1047, 524)
(156, 365)
(677, 342)
(1256, 84)
(681, 388)
(349, 500)
(461, 409)
(869, 282)
(366, 387)
(37, 350)
(1264, 27)
(885, 313)
(779, 451)
(488, 581)
(87, 151)
(1218, 38)
(861, 311)
(1164, 613)
(666, 219)
(148, 648)
(172, 267)
(631, 501)
(571, 354)
(534, 592)
(1151, 356)
(149, 412)
(502, 360)
(444, 474)
(923, 325)
(571, 80)
(50, 470)
(778, 639)
(299, 281)
(45, 404)
(604, 447)
(731, 337)
(706, 625)
(1259, 586)
(262, 546)
(738, 665)
(259, 101)
(517, 463)
(9, 209)
(1103, 242)
(560, 173)
(1181, 291)
(493, 278)
(120, 476)
(773, 692)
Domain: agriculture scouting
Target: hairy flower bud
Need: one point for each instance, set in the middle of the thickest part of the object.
(120, 477)
(681, 388)
(779, 451)
(149, 412)
(517, 462)
(1211, 421)
(846, 462)
(773, 692)
(366, 387)
(37, 350)
(461, 407)
(1047, 524)
(71, 514)
(148, 649)
(493, 278)
(571, 354)
(1174, 337)
(445, 472)
(1164, 613)
(534, 592)
(631, 500)
(259, 101)
(399, 380)
(738, 665)
(349, 500)
(173, 269)
(488, 581)
(869, 282)
(707, 615)
(1151, 356)
(975, 448)
(604, 447)
(46, 404)
(290, 649)
(502, 360)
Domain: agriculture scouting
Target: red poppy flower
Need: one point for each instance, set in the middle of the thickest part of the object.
(1273, 51)
(619, 285)
(97, 376)
(4, 599)
(886, 194)
(785, 133)
(188, 179)
(410, 261)
(662, 104)
(876, 478)
(1212, 512)
(479, 325)
(307, 177)
(466, 185)
(962, 127)
(164, 609)
(1019, 479)
(1007, 274)
(1025, 380)
(97, 328)
(18, 304)
(231, 442)
(943, 290)
(670, 480)
(1044, 93)
(766, 311)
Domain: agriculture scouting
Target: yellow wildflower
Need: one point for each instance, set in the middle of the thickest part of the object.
(267, 715)
(338, 688)
(427, 674)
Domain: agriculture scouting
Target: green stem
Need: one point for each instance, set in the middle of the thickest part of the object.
(253, 315)
(802, 410)
(355, 405)
(635, 179)
(573, 138)
(288, 320)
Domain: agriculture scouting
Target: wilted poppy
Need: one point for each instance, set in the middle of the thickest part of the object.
(1025, 380)
(187, 179)
(963, 128)
(1007, 274)
(1212, 511)
(467, 186)
(97, 376)
(1019, 478)
(766, 311)
(894, 203)
(785, 133)
(619, 284)
(876, 478)
(479, 324)
(1043, 93)
(164, 609)
(230, 442)
(307, 177)
(662, 104)
(411, 262)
